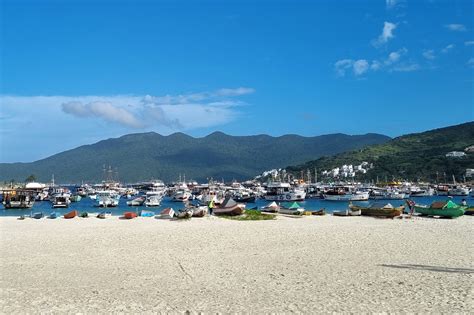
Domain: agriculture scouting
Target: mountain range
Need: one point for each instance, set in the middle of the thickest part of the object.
(146, 156)
(419, 156)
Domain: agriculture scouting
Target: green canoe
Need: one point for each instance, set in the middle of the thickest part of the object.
(447, 209)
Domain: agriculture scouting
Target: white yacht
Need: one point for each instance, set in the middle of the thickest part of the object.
(107, 198)
(345, 193)
(278, 191)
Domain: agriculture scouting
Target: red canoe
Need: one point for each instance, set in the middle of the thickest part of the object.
(71, 214)
(129, 215)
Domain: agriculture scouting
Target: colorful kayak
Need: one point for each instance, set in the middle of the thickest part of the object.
(147, 213)
(446, 209)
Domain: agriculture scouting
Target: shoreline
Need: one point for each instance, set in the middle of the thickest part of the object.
(312, 264)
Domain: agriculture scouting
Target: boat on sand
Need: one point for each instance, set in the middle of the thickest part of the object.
(445, 209)
(384, 210)
(71, 214)
(291, 208)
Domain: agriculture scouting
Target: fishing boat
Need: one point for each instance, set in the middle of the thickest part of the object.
(387, 194)
(446, 209)
(184, 213)
(18, 200)
(107, 198)
(137, 202)
(37, 215)
(291, 208)
(104, 214)
(229, 207)
(53, 215)
(152, 201)
(345, 193)
(469, 210)
(318, 212)
(271, 207)
(385, 210)
(61, 201)
(199, 212)
(167, 213)
(278, 191)
(75, 198)
(129, 215)
(71, 214)
(147, 213)
(347, 213)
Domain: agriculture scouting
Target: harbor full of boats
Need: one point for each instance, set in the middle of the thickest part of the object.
(188, 199)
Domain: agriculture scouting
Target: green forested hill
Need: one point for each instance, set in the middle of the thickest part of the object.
(412, 157)
(150, 155)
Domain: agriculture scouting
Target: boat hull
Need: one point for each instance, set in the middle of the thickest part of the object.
(446, 213)
(379, 212)
(236, 210)
(71, 215)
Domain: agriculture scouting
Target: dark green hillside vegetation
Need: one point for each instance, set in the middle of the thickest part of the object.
(417, 156)
(146, 156)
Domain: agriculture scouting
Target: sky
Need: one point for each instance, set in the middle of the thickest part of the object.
(77, 72)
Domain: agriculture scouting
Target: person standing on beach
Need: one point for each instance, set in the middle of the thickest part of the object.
(211, 206)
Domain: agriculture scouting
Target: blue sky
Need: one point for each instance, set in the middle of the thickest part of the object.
(76, 72)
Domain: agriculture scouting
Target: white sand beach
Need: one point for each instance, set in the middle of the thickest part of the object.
(209, 265)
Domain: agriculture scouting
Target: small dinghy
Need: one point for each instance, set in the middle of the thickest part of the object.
(71, 215)
(21, 217)
(167, 213)
(147, 213)
(184, 214)
(104, 214)
(84, 215)
(37, 215)
(347, 213)
(229, 207)
(199, 212)
(129, 215)
(292, 208)
(271, 207)
(53, 215)
(318, 212)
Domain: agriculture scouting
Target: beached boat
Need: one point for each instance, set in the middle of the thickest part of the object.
(318, 212)
(147, 213)
(229, 207)
(291, 208)
(37, 215)
(129, 215)
(447, 209)
(104, 214)
(469, 210)
(53, 215)
(385, 210)
(199, 212)
(84, 214)
(167, 213)
(184, 213)
(347, 213)
(71, 214)
(271, 207)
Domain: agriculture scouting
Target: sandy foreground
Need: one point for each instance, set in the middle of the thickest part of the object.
(209, 265)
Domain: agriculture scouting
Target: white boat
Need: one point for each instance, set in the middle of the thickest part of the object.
(278, 191)
(153, 201)
(347, 213)
(416, 191)
(271, 207)
(107, 198)
(61, 201)
(293, 209)
(345, 193)
(137, 202)
(458, 190)
(387, 194)
(167, 213)
(181, 195)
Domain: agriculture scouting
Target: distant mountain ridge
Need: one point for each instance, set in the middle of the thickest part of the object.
(418, 156)
(145, 156)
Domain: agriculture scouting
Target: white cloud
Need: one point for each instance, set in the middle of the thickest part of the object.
(360, 67)
(406, 67)
(342, 65)
(395, 56)
(376, 65)
(429, 54)
(387, 34)
(455, 27)
(447, 48)
(470, 62)
(160, 113)
(469, 43)
(390, 4)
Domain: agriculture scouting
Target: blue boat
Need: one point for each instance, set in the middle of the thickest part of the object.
(53, 215)
(37, 215)
(147, 213)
